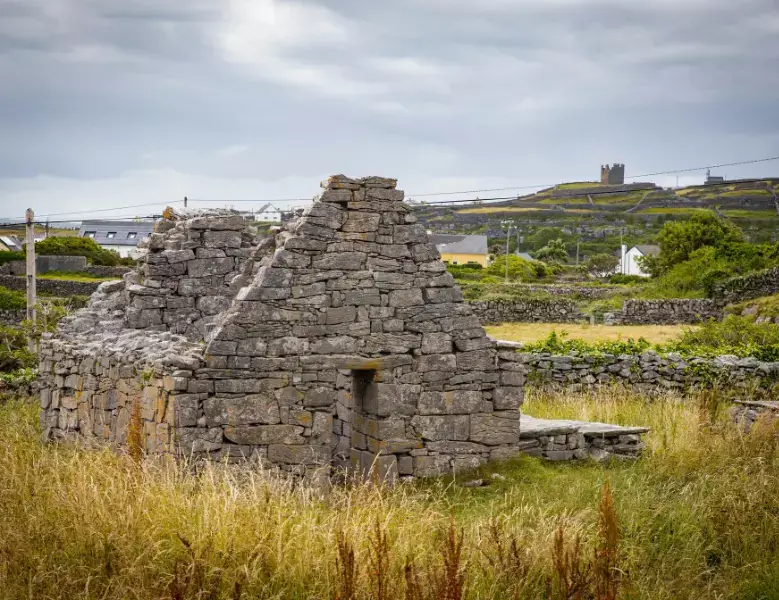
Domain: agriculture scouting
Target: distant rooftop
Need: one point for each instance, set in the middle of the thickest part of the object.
(116, 233)
(460, 244)
(648, 249)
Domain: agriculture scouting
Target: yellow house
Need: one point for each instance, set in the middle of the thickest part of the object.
(461, 249)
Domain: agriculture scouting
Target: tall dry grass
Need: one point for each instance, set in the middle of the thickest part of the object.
(697, 517)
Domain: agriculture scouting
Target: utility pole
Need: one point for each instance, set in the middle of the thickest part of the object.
(185, 201)
(46, 234)
(577, 253)
(508, 238)
(31, 295)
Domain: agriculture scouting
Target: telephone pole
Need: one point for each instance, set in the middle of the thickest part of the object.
(31, 291)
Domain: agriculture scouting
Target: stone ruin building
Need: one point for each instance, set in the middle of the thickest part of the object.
(342, 342)
(612, 175)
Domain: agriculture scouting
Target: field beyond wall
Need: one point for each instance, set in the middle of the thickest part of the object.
(698, 517)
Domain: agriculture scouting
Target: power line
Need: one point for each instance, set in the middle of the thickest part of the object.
(100, 210)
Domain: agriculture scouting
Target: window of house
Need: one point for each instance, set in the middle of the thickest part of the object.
(90, 234)
(454, 262)
(132, 235)
(111, 234)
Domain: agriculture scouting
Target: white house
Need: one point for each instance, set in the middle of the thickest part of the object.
(629, 263)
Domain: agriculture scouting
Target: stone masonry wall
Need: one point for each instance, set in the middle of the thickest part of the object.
(671, 311)
(557, 310)
(12, 317)
(53, 287)
(648, 372)
(343, 342)
(754, 285)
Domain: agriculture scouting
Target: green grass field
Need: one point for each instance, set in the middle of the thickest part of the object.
(696, 517)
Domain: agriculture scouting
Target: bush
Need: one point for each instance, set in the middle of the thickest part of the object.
(519, 269)
(81, 246)
(620, 279)
(14, 354)
(559, 344)
(12, 300)
(6, 257)
(734, 335)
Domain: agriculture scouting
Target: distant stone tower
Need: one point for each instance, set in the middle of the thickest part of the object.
(613, 175)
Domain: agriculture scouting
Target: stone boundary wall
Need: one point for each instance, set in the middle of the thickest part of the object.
(579, 291)
(63, 264)
(557, 310)
(671, 311)
(54, 287)
(12, 317)
(104, 271)
(754, 285)
(648, 372)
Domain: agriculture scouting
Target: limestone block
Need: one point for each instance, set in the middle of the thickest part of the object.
(456, 402)
(361, 222)
(494, 429)
(320, 396)
(439, 428)
(438, 295)
(437, 362)
(265, 434)
(193, 440)
(299, 455)
(211, 266)
(508, 398)
(407, 234)
(431, 466)
(346, 261)
(250, 410)
(222, 239)
(403, 298)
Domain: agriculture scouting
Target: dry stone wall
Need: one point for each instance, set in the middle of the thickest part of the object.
(648, 372)
(671, 311)
(532, 310)
(343, 342)
(61, 288)
(747, 287)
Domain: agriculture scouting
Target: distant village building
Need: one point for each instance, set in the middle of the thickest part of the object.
(713, 179)
(629, 259)
(612, 175)
(462, 249)
(10, 243)
(122, 236)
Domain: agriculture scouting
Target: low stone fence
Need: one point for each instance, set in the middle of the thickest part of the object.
(648, 372)
(104, 271)
(558, 310)
(754, 285)
(55, 287)
(746, 413)
(12, 317)
(673, 311)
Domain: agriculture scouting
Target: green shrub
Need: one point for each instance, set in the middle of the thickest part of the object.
(12, 300)
(6, 257)
(733, 335)
(519, 269)
(559, 344)
(14, 354)
(81, 246)
(620, 279)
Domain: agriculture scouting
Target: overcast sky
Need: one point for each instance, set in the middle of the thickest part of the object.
(105, 103)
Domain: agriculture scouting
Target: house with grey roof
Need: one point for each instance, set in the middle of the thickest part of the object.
(461, 249)
(122, 236)
(629, 264)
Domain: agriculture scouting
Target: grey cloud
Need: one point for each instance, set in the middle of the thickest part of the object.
(426, 89)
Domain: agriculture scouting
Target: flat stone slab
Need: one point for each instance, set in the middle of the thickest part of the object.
(531, 427)
(759, 404)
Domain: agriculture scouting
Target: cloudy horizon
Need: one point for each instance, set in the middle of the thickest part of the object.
(107, 104)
